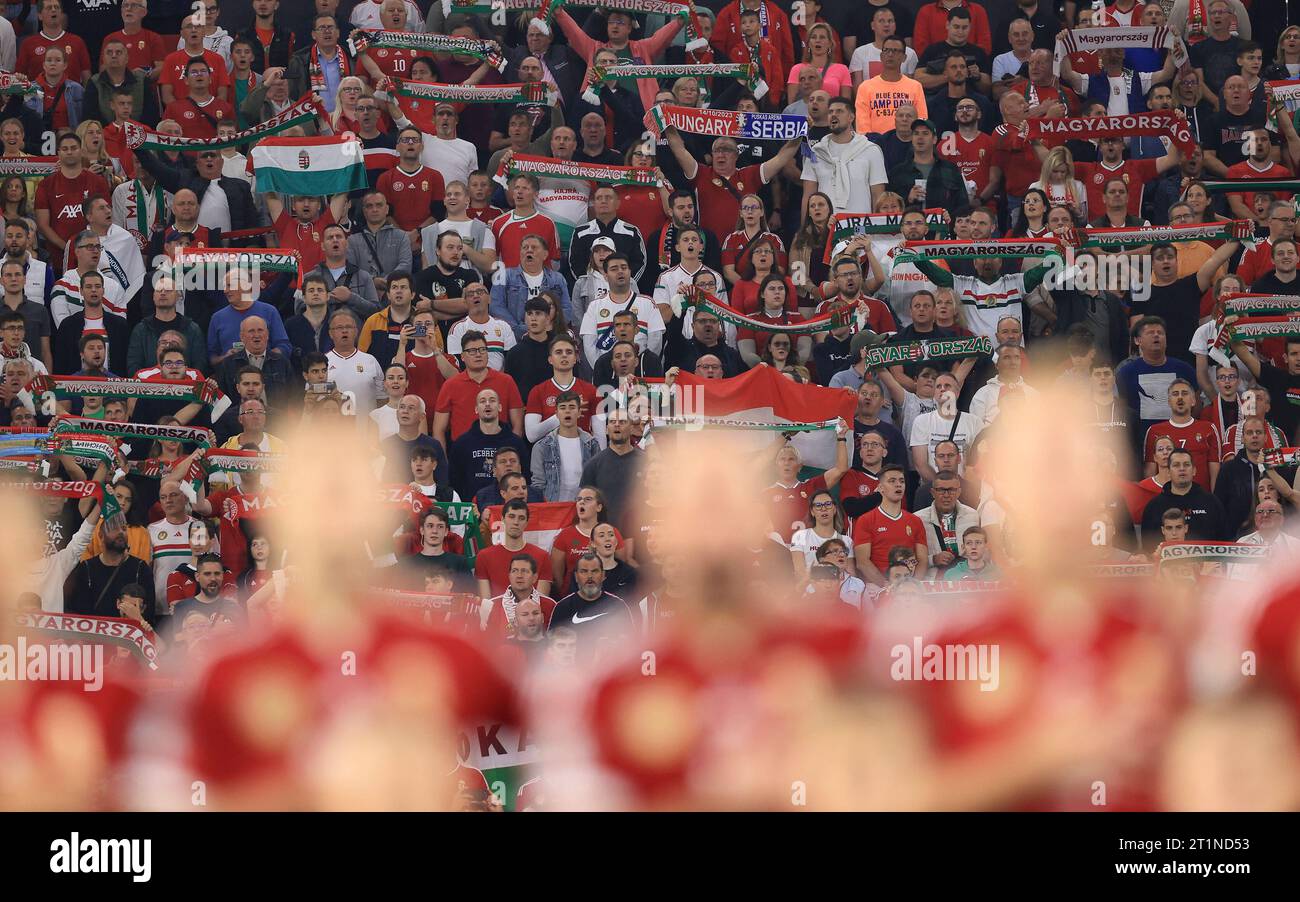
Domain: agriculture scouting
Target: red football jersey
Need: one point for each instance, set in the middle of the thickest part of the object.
(973, 156)
(718, 208)
(62, 197)
(143, 49)
(573, 542)
(858, 484)
(760, 338)
(458, 396)
(411, 195)
(1197, 436)
(199, 120)
(882, 532)
(1135, 173)
(493, 565)
(541, 400)
(790, 504)
(735, 250)
(31, 54)
(173, 72)
(511, 232)
(1273, 172)
(395, 62)
(425, 379)
(304, 237)
(232, 507)
(499, 620)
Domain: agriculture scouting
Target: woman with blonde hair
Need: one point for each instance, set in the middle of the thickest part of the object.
(644, 206)
(1286, 62)
(1057, 181)
(819, 52)
(948, 313)
(94, 155)
(345, 117)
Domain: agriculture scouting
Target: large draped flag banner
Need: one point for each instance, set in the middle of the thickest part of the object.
(545, 520)
(763, 401)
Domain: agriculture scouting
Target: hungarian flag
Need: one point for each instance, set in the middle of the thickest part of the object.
(765, 401)
(545, 520)
(309, 166)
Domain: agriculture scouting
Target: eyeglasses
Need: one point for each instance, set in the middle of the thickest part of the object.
(750, 208)
(90, 247)
(874, 445)
(173, 363)
(473, 350)
(936, 490)
(822, 505)
(408, 139)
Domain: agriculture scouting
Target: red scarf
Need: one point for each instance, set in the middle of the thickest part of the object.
(318, 76)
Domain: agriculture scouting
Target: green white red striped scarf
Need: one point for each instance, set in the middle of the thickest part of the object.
(693, 296)
(195, 435)
(361, 39)
(66, 388)
(1254, 328)
(1087, 127)
(1281, 457)
(119, 631)
(87, 448)
(1218, 552)
(1260, 305)
(694, 39)
(745, 72)
(939, 349)
(1249, 186)
(846, 226)
(965, 250)
(604, 174)
(243, 461)
(1233, 230)
(28, 167)
(252, 259)
(305, 110)
(17, 83)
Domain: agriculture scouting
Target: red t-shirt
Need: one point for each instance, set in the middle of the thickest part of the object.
(459, 395)
(882, 532)
(973, 156)
(62, 197)
(719, 208)
(498, 622)
(879, 317)
(304, 237)
(395, 62)
(55, 102)
(143, 49)
(493, 565)
(789, 504)
(573, 542)
(642, 208)
(1274, 172)
(31, 54)
(232, 507)
(735, 249)
(1017, 160)
(761, 338)
(425, 379)
(412, 195)
(1198, 436)
(744, 296)
(173, 72)
(199, 120)
(486, 215)
(1135, 173)
(858, 484)
(541, 400)
(510, 234)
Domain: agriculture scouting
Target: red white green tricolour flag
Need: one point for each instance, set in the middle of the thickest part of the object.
(309, 166)
(545, 520)
(765, 401)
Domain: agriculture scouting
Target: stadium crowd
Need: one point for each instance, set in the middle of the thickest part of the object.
(483, 326)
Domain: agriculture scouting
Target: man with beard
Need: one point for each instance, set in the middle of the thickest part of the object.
(601, 620)
(846, 166)
(95, 583)
(209, 600)
(1206, 519)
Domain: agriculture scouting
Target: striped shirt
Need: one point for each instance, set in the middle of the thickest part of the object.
(170, 543)
(986, 303)
(500, 338)
(65, 299)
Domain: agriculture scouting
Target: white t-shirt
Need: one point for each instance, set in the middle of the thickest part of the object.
(867, 168)
(500, 338)
(913, 406)
(214, 211)
(807, 541)
(1004, 64)
(667, 285)
(455, 158)
(386, 419)
(866, 59)
(930, 429)
(360, 374)
(986, 303)
(1201, 341)
(570, 468)
(170, 544)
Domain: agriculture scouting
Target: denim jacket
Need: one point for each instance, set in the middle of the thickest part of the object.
(546, 461)
(511, 293)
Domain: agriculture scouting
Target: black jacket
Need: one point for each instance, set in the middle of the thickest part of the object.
(299, 68)
(278, 374)
(92, 587)
(99, 91)
(239, 197)
(282, 43)
(945, 187)
(627, 240)
(684, 352)
(1073, 307)
(1235, 489)
(1205, 517)
(67, 356)
(648, 365)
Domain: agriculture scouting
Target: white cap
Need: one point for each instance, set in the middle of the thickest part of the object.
(603, 242)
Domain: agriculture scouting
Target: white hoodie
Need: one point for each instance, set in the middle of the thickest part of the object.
(47, 576)
(218, 42)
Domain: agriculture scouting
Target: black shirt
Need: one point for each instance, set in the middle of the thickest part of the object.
(528, 363)
(608, 617)
(1226, 133)
(93, 586)
(1284, 395)
(416, 567)
(1269, 283)
(1179, 303)
(1205, 517)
